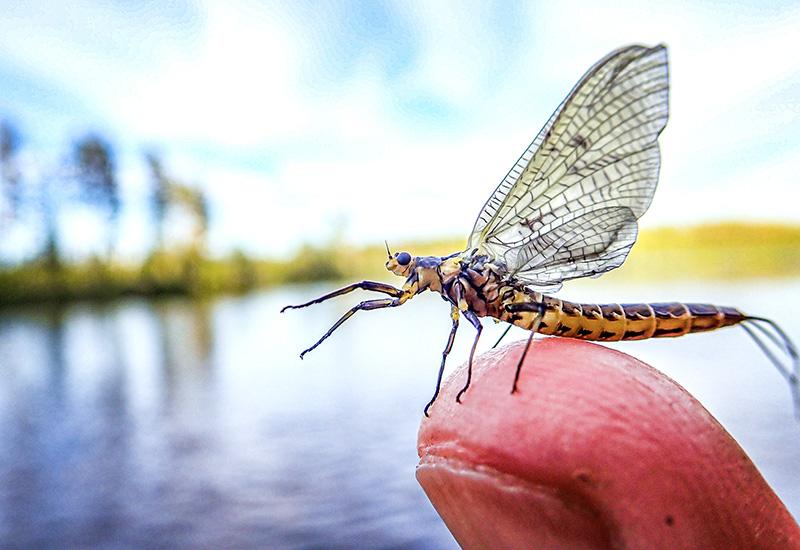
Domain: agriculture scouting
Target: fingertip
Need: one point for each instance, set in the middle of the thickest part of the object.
(608, 435)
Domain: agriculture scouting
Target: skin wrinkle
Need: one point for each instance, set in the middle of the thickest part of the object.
(568, 493)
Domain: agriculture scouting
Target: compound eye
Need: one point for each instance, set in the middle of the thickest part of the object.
(403, 258)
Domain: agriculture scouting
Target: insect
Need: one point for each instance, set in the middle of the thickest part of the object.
(569, 208)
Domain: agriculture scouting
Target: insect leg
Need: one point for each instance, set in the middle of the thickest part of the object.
(454, 314)
(368, 305)
(526, 306)
(472, 318)
(521, 359)
(508, 328)
(364, 285)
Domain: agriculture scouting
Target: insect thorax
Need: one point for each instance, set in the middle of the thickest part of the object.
(472, 283)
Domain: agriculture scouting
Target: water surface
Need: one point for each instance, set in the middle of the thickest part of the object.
(182, 424)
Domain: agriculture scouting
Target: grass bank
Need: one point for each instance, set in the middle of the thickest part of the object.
(724, 251)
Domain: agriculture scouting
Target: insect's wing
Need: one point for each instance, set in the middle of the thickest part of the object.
(568, 207)
(589, 244)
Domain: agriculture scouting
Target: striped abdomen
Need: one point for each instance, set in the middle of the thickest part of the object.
(613, 322)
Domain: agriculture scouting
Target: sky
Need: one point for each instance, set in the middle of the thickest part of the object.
(306, 122)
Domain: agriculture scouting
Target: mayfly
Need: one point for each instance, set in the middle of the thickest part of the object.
(568, 208)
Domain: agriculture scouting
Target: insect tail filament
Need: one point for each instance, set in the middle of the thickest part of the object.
(759, 328)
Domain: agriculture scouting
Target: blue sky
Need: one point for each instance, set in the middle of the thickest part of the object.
(392, 120)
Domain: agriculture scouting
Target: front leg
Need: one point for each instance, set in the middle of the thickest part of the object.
(368, 305)
(364, 285)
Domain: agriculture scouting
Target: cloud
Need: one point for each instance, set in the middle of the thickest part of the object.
(400, 117)
(238, 87)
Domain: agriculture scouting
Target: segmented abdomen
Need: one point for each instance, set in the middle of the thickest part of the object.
(613, 322)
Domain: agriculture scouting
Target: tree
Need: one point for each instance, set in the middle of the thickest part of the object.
(94, 161)
(49, 205)
(160, 196)
(169, 193)
(9, 166)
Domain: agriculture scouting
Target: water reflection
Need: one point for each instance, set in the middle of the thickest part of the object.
(162, 425)
(194, 424)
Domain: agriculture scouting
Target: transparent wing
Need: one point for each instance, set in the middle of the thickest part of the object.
(568, 207)
(585, 245)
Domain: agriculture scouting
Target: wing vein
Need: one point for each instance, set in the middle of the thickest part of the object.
(568, 207)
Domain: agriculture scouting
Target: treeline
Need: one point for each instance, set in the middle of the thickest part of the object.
(184, 274)
(41, 207)
(46, 209)
(719, 252)
(37, 204)
(191, 274)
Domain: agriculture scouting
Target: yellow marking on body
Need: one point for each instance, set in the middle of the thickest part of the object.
(615, 323)
(428, 278)
(454, 314)
(674, 324)
(701, 323)
(685, 320)
(591, 322)
(646, 324)
(552, 315)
